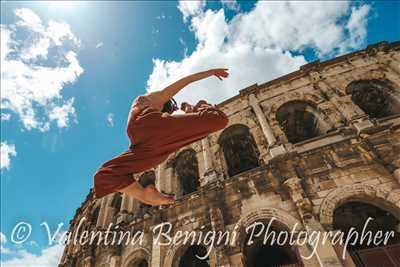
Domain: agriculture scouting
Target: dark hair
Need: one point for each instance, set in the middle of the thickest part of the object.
(170, 106)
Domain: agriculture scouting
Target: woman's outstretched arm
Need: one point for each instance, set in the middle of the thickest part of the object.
(168, 92)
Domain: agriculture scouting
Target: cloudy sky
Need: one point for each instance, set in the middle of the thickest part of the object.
(69, 72)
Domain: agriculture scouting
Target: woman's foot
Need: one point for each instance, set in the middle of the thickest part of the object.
(155, 198)
(147, 195)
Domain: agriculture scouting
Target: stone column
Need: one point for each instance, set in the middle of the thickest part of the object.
(131, 204)
(160, 180)
(344, 104)
(155, 255)
(262, 120)
(296, 193)
(350, 111)
(326, 254)
(274, 149)
(209, 174)
(168, 185)
(125, 203)
(123, 214)
(107, 210)
(102, 211)
(217, 225)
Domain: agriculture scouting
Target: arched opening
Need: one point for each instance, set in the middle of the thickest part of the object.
(190, 259)
(374, 97)
(138, 263)
(240, 149)
(187, 171)
(116, 202)
(300, 121)
(355, 215)
(147, 178)
(272, 252)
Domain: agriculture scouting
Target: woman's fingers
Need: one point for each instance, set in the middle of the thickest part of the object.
(219, 73)
(222, 73)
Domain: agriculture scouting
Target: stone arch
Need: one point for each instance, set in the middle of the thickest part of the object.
(301, 120)
(388, 199)
(239, 149)
(136, 256)
(186, 169)
(376, 97)
(281, 216)
(282, 221)
(368, 74)
(175, 252)
(196, 147)
(270, 108)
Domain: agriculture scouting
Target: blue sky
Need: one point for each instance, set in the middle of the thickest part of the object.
(71, 70)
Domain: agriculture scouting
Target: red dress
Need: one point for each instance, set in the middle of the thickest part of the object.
(153, 136)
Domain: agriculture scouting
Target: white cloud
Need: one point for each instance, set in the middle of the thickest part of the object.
(110, 119)
(36, 68)
(191, 8)
(3, 238)
(185, 48)
(6, 152)
(29, 19)
(231, 4)
(48, 257)
(39, 48)
(5, 116)
(3, 241)
(99, 44)
(61, 114)
(357, 25)
(258, 45)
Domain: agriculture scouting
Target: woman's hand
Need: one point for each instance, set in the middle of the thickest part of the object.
(168, 92)
(219, 73)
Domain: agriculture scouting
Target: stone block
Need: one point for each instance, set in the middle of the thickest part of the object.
(277, 150)
(364, 125)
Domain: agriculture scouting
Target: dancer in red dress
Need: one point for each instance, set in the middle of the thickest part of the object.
(154, 133)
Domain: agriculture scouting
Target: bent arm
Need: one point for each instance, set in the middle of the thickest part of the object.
(168, 92)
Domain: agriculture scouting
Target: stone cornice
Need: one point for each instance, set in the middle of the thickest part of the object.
(316, 66)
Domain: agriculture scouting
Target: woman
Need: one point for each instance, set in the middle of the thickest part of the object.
(154, 134)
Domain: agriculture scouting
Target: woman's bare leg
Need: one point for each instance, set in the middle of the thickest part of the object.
(148, 195)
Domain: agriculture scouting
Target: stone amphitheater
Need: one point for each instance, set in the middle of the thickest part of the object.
(316, 150)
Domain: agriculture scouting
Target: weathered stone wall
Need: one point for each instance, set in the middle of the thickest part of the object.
(356, 158)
